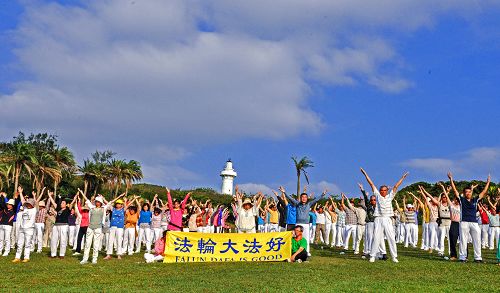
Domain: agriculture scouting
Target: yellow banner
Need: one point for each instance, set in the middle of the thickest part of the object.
(227, 247)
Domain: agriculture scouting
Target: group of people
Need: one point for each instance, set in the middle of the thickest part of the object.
(125, 225)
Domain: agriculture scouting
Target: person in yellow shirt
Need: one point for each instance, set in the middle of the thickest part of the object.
(273, 217)
(131, 219)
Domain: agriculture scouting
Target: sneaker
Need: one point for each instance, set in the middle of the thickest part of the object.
(395, 260)
(299, 260)
(26, 260)
(130, 253)
(384, 257)
(308, 254)
(5, 254)
(363, 256)
(372, 259)
(16, 260)
(342, 252)
(77, 253)
(83, 262)
(356, 252)
(94, 261)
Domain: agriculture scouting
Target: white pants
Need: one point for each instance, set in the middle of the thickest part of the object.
(261, 228)
(144, 237)
(24, 241)
(472, 230)
(157, 234)
(129, 240)
(494, 236)
(411, 233)
(425, 236)
(273, 228)
(92, 236)
(340, 236)
(72, 235)
(347, 235)
(59, 236)
(370, 227)
(484, 235)
(150, 258)
(5, 233)
(433, 235)
(14, 234)
(383, 225)
(328, 229)
(115, 238)
(312, 234)
(306, 232)
(402, 232)
(360, 234)
(444, 231)
(39, 230)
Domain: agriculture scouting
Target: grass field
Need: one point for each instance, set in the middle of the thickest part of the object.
(327, 271)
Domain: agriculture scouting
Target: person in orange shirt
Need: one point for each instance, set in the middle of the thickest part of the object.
(131, 219)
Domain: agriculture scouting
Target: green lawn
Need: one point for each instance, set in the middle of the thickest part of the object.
(327, 271)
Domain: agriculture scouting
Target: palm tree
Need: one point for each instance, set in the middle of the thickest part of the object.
(65, 161)
(132, 174)
(300, 167)
(117, 170)
(44, 167)
(20, 156)
(5, 174)
(88, 171)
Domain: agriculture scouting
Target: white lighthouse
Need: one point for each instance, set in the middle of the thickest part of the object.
(228, 175)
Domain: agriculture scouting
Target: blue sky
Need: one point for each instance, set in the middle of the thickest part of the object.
(182, 86)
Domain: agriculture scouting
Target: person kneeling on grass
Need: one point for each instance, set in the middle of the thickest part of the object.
(299, 245)
(159, 250)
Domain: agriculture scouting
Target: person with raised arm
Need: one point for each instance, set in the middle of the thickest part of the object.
(351, 223)
(411, 226)
(144, 235)
(59, 237)
(433, 205)
(40, 218)
(360, 212)
(82, 213)
(7, 215)
(494, 221)
(176, 211)
(117, 225)
(131, 219)
(156, 219)
(291, 211)
(247, 212)
(94, 234)
(455, 215)
(383, 214)
(26, 217)
(445, 217)
(303, 208)
(468, 224)
(339, 237)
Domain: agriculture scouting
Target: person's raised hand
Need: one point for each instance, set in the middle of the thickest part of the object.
(360, 186)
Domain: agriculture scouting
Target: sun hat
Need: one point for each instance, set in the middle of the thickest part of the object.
(99, 199)
(247, 201)
(120, 201)
(30, 201)
(11, 202)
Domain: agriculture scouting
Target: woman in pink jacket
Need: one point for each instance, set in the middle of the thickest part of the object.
(176, 212)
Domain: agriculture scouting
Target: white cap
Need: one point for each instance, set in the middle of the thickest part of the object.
(99, 199)
(409, 205)
(11, 202)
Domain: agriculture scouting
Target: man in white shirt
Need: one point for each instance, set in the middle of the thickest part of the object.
(383, 214)
(26, 217)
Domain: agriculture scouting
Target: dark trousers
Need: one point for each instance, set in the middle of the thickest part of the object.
(81, 233)
(454, 231)
(302, 255)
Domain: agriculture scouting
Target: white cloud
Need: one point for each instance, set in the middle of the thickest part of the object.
(143, 75)
(252, 188)
(474, 163)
